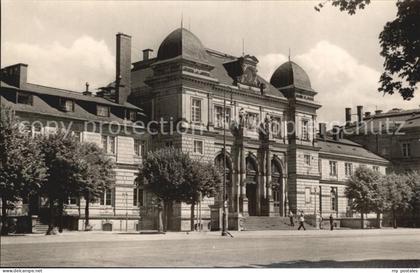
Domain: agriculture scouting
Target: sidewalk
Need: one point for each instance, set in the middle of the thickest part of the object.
(98, 236)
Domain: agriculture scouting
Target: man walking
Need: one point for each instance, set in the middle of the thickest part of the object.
(292, 222)
(301, 221)
(331, 222)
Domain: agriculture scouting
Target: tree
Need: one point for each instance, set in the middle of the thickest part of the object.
(400, 45)
(414, 182)
(163, 173)
(203, 179)
(62, 160)
(97, 175)
(398, 194)
(22, 169)
(361, 190)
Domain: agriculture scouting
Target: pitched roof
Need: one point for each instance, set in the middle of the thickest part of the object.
(345, 147)
(52, 91)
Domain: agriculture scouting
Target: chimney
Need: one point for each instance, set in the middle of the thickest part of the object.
(377, 112)
(348, 116)
(367, 114)
(336, 132)
(87, 92)
(359, 113)
(146, 53)
(323, 131)
(123, 69)
(15, 75)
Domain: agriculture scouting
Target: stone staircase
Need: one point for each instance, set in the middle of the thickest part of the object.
(39, 227)
(270, 223)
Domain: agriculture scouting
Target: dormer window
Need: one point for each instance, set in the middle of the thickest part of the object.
(66, 105)
(131, 115)
(102, 111)
(24, 98)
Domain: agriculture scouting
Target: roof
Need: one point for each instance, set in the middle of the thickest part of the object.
(42, 107)
(388, 120)
(51, 91)
(182, 42)
(412, 123)
(345, 147)
(290, 73)
(142, 70)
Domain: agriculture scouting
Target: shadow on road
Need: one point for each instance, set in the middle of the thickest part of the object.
(332, 264)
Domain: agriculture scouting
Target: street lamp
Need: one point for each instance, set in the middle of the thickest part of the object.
(224, 214)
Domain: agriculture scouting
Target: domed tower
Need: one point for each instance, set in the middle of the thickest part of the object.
(293, 82)
(290, 79)
(181, 51)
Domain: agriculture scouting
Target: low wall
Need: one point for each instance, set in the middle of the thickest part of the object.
(355, 223)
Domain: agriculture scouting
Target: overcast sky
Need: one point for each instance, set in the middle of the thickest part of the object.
(68, 43)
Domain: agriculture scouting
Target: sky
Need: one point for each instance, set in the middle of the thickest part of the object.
(69, 43)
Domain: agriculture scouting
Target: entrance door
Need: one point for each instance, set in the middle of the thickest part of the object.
(251, 194)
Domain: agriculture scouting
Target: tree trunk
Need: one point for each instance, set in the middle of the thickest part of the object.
(51, 224)
(4, 226)
(362, 220)
(61, 210)
(192, 216)
(378, 220)
(394, 219)
(87, 226)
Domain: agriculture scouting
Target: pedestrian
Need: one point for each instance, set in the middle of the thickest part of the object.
(301, 221)
(321, 220)
(331, 222)
(292, 222)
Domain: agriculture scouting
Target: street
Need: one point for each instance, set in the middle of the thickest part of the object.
(311, 248)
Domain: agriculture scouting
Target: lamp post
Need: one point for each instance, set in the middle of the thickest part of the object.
(224, 214)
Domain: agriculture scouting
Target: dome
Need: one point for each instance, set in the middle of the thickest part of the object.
(290, 73)
(182, 42)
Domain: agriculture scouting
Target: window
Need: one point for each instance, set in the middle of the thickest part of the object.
(131, 115)
(66, 105)
(36, 129)
(109, 144)
(348, 169)
(375, 168)
(137, 197)
(305, 129)
(111, 140)
(218, 116)
(196, 110)
(276, 127)
(105, 143)
(102, 111)
(252, 120)
(333, 168)
(307, 195)
(307, 159)
(139, 147)
(24, 98)
(198, 146)
(106, 198)
(333, 198)
(406, 150)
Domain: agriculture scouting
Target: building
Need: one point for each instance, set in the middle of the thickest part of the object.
(92, 119)
(195, 98)
(394, 135)
(275, 161)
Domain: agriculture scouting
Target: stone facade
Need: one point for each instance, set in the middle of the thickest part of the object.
(275, 162)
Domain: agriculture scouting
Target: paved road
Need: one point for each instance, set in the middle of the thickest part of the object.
(342, 248)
